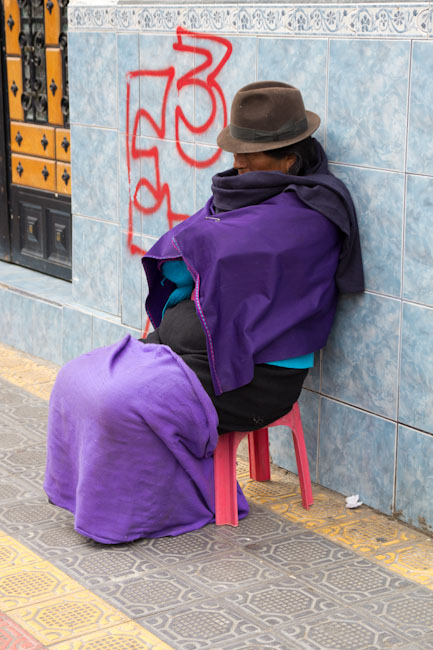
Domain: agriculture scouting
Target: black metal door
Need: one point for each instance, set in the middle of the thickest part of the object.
(5, 246)
(37, 173)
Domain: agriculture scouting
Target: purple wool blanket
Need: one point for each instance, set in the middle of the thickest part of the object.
(131, 434)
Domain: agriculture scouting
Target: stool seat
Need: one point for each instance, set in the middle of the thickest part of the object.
(226, 503)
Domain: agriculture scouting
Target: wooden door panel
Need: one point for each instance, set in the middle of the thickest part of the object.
(34, 172)
(52, 22)
(63, 178)
(15, 88)
(54, 85)
(63, 144)
(33, 139)
(12, 26)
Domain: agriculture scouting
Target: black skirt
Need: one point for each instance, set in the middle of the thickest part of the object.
(270, 395)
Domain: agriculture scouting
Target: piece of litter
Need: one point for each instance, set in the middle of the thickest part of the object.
(353, 501)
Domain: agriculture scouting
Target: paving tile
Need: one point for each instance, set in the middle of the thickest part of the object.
(366, 532)
(260, 642)
(53, 541)
(103, 564)
(14, 554)
(269, 491)
(205, 542)
(20, 516)
(236, 570)
(426, 643)
(280, 602)
(13, 488)
(149, 593)
(25, 374)
(326, 509)
(410, 613)
(34, 480)
(344, 629)
(65, 618)
(18, 460)
(33, 583)
(14, 434)
(413, 561)
(355, 580)
(126, 636)
(259, 524)
(13, 637)
(205, 625)
(299, 552)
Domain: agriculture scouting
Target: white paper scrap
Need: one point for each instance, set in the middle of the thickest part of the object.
(353, 501)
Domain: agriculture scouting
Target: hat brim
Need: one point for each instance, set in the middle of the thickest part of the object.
(228, 143)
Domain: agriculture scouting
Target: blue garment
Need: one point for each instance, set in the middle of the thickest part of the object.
(177, 272)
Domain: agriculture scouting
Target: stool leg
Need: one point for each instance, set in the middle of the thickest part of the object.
(226, 498)
(258, 449)
(295, 423)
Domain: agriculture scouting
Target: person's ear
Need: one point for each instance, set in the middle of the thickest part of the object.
(291, 159)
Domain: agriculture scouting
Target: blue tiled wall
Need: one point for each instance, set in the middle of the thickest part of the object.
(367, 406)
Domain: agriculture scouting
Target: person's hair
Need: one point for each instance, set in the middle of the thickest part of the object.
(306, 156)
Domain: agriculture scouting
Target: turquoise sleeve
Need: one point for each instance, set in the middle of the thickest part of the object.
(176, 272)
(305, 361)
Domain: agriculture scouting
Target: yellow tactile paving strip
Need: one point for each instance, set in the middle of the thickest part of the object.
(54, 609)
(62, 615)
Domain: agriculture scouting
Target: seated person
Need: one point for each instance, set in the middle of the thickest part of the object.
(241, 295)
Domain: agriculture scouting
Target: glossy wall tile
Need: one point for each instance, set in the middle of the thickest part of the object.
(77, 335)
(367, 97)
(414, 477)
(420, 145)
(302, 63)
(47, 331)
(131, 288)
(416, 374)
(360, 361)
(161, 98)
(16, 320)
(418, 247)
(95, 159)
(92, 78)
(96, 270)
(128, 97)
(238, 70)
(379, 200)
(356, 454)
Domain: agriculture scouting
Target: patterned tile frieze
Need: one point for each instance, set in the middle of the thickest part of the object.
(412, 20)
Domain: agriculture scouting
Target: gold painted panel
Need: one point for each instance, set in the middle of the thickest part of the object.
(52, 23)
(15, 88)
(54, 74)
(63, 178)
(33, 139)
(34, 172)
(63, 144)
(12, 26)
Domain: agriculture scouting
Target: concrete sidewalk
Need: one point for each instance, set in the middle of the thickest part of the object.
(286, 578)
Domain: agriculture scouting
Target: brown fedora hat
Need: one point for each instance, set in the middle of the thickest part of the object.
(267, 115)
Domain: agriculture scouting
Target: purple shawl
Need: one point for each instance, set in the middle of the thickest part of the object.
(131, 434)
(268, 253)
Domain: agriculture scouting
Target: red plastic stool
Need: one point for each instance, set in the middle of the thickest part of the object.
(226, 502)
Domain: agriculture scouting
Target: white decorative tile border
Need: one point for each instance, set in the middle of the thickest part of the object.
(377, 20)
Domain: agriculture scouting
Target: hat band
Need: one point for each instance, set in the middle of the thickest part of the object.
(290, 129)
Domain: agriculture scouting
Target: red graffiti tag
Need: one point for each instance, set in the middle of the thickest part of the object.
(202, 76)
